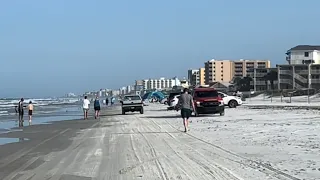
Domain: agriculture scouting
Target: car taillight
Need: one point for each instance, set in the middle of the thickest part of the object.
(220, 99)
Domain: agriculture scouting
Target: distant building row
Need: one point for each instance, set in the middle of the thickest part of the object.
(224, 70)
(302, 70)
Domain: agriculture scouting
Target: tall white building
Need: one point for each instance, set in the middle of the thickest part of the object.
(304, 54)
(161, 83)
(123, 90)
(194, 76)
(129, 89)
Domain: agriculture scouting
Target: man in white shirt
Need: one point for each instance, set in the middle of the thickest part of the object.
(85, 105)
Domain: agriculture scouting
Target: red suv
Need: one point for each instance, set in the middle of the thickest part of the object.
(207, 101)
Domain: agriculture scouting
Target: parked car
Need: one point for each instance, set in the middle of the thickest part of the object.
(173, 103)
(231, 101)
(207, 101)
(171, 96)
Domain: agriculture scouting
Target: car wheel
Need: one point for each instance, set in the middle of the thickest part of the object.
(141, 111)
(233, 104)
(222, 113)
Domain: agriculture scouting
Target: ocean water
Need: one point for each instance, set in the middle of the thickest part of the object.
(7, 106)
(45, 110)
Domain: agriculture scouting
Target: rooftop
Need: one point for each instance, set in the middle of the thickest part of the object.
(305, 47)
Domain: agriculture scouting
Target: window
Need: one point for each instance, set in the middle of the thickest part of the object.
(205, 94)
(306, 54)
(132, 98)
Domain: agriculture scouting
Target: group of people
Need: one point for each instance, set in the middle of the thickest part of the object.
(20, 110)
(96, 106)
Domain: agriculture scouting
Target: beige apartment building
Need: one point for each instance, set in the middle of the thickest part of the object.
(202, 76)
(218, 71)
(243, 67)
(226, 70)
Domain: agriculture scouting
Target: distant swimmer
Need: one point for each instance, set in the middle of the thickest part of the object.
(85, 106)
(96, 107)
(30, 108)
(21, 112)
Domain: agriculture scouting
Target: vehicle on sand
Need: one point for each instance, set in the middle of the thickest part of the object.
(132, 103)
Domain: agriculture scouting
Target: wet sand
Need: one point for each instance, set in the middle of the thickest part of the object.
(39, 140)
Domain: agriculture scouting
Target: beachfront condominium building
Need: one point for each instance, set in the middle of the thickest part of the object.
(298, 76)
(303, 54)
(202, 76)
(243, 68)
(218, 71)
(302, 70)
(193, 77)
(196, 76)
(162, 83)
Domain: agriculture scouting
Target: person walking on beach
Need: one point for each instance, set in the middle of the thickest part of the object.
(187, 106)
(112, 100)
(30, 108)
(21, 112)
(85, 106)
(96, 107)
(107, 101)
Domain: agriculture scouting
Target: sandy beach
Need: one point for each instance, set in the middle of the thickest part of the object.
(243, 144)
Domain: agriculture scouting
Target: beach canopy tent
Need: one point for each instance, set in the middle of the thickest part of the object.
(153, 94)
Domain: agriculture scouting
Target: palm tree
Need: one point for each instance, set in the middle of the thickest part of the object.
(271, 77)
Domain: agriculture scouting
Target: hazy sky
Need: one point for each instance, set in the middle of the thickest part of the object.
(57, 46)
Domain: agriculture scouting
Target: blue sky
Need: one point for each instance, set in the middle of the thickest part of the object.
(49, 48)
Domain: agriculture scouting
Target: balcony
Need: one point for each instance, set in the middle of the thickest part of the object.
(260, 83)
(315, 81)
(260, 74)
(285, 72)
(286, 81)
(302, 71)
(315, 71)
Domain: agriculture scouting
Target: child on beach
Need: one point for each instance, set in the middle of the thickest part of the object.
(30, 108)
(97, 108)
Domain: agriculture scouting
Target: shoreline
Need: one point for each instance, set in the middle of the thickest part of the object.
(33, 141)
(12, 125)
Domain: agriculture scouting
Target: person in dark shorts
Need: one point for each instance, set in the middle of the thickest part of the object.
(187, 106)
(30, 108)
(21, 112)
(107, 101)
(97, 107)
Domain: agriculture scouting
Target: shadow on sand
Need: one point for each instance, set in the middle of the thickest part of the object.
(163, 117)
(154, 132)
